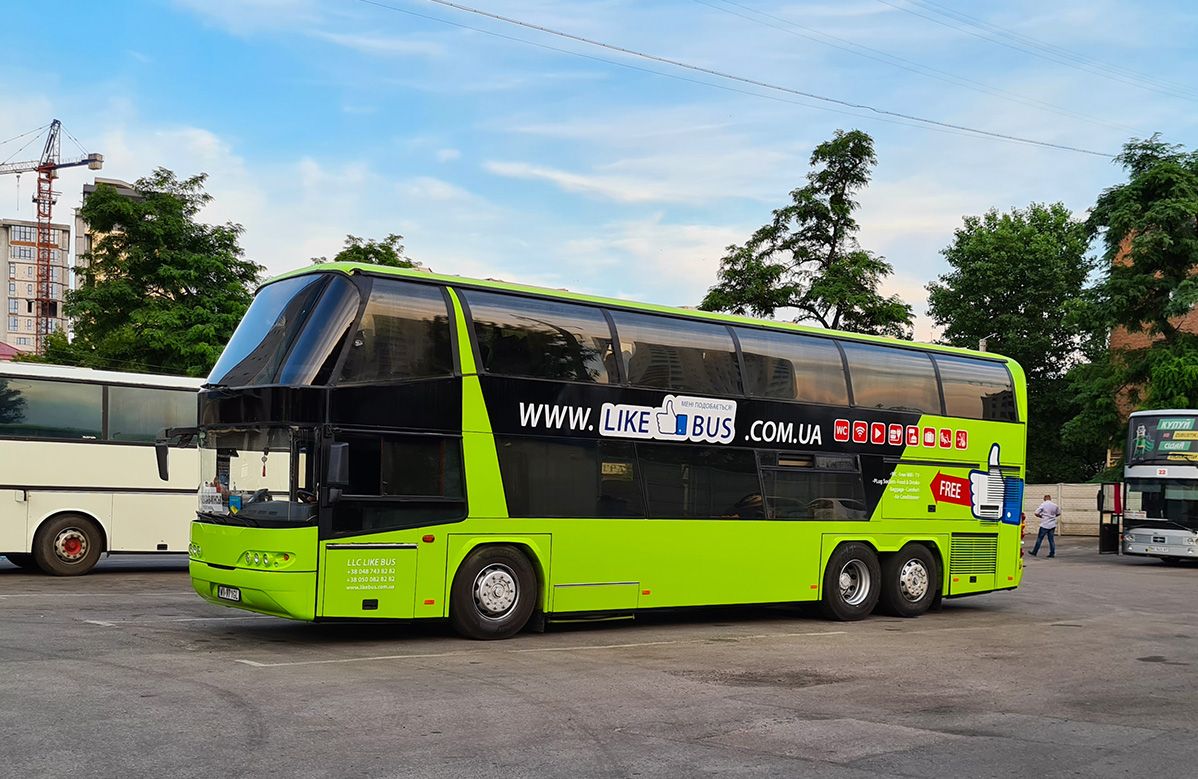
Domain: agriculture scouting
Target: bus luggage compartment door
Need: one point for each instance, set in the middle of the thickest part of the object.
(368, 580)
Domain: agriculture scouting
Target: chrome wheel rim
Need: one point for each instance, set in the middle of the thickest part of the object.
(70, 545)
(855, 582)
(495, 591)
(913, 580)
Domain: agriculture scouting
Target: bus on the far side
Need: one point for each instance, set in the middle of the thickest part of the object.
(1160, 476)
(77, 478)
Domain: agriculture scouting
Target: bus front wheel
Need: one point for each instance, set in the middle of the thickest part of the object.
(910, 580)
(852, 581)
(68, 545)
(493, 594)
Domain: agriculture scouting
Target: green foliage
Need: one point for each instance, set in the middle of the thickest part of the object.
(161, 292)
(388, 251)
(807, 257)
(1155, 215)
(1154, 218)
(1017, 280)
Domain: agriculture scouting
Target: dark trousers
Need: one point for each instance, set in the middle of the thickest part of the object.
(1052, 546)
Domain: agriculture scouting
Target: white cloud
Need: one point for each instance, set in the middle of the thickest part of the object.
(448, 155)
(384, 45)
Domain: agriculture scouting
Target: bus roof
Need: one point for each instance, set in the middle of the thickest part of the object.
(1156, 412)
(34, 370)
(421, 275)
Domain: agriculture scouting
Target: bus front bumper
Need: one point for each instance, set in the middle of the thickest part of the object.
(283, 594)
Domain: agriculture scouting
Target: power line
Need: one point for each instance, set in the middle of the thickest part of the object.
(722, 75)
(1048, 47)
(910, 65)
(1058, 59)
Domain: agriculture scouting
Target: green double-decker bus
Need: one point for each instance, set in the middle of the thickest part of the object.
(381, 443)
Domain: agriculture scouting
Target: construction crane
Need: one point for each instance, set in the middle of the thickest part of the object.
(44, 305)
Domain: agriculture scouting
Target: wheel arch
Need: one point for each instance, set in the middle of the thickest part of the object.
(72, 512)
(534, 547)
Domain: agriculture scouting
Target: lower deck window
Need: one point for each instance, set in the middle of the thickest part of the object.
(813, 487)
(567, 478)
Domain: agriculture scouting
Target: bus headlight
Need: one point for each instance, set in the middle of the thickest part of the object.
(1192, 540)
(194, 552)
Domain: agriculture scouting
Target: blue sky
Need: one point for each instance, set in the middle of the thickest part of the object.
(602, 173)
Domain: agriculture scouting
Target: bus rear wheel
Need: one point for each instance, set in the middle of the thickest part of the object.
(68, 545)
(493, 593)
(851, 583)
(909, 581)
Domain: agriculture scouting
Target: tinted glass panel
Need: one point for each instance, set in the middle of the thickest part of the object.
(792, 367)
(815, 487)
(540, 338)
(399, 481)
(673, 354)
(684, 482)
(560, 478)
(316, 350)
(404, 334)
(267, 331)
(137, 413)
(51, 409)
(977, 389)
(898, 379)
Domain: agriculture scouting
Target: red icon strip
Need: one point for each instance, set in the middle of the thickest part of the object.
(880, 433)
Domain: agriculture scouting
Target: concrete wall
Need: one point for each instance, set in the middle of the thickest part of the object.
(1078, 502)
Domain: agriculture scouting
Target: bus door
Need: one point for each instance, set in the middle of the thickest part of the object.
(1110, 518)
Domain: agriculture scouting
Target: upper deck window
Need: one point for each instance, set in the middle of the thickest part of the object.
(290, 333)
(404, 334)
(890, 378)
(977, 389)
(792, 367)
(674, 354)
(541, 339)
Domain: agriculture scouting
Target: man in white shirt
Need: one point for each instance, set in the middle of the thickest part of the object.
(1048, 513)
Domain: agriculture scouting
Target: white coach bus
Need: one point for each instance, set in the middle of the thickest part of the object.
(77, 468)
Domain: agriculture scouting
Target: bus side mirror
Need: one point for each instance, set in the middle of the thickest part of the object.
(338, 470)
(162, 445)
(162, 452)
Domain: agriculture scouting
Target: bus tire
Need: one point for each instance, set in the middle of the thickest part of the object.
(22, 560)
(493, 593)
(910, 579)
(67, 545)
(852, 581)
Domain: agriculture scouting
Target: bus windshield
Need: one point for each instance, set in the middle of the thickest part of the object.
(1174, 500)
(291, 334)
(263, 477)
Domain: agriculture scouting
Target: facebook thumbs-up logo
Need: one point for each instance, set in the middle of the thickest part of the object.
(986, 489)
(670, 423)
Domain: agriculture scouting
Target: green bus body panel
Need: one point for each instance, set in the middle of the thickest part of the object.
(621, 565)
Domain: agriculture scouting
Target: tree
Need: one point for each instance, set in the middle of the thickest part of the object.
(1017, 279)
(1149, 227)
(807, 257)
(388, 251)
(161, 292)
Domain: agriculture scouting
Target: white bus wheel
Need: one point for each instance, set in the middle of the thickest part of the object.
(67, 545)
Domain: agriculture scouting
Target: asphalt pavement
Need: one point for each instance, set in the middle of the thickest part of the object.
(1086, 670)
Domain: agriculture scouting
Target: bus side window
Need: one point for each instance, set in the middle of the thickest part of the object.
(564, 478)
(892, 378)
(137, 413)
(789, 366)
(817, 487)
(691, 482)
(398, 481)
(404, 334)
(674, 354)
(977, 389)
(541, 339)
(35, 408)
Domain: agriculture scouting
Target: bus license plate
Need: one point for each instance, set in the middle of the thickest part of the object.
(228, 593)
(1157, 548)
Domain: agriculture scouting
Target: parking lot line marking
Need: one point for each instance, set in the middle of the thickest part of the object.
(99, 622)
(256, 664)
